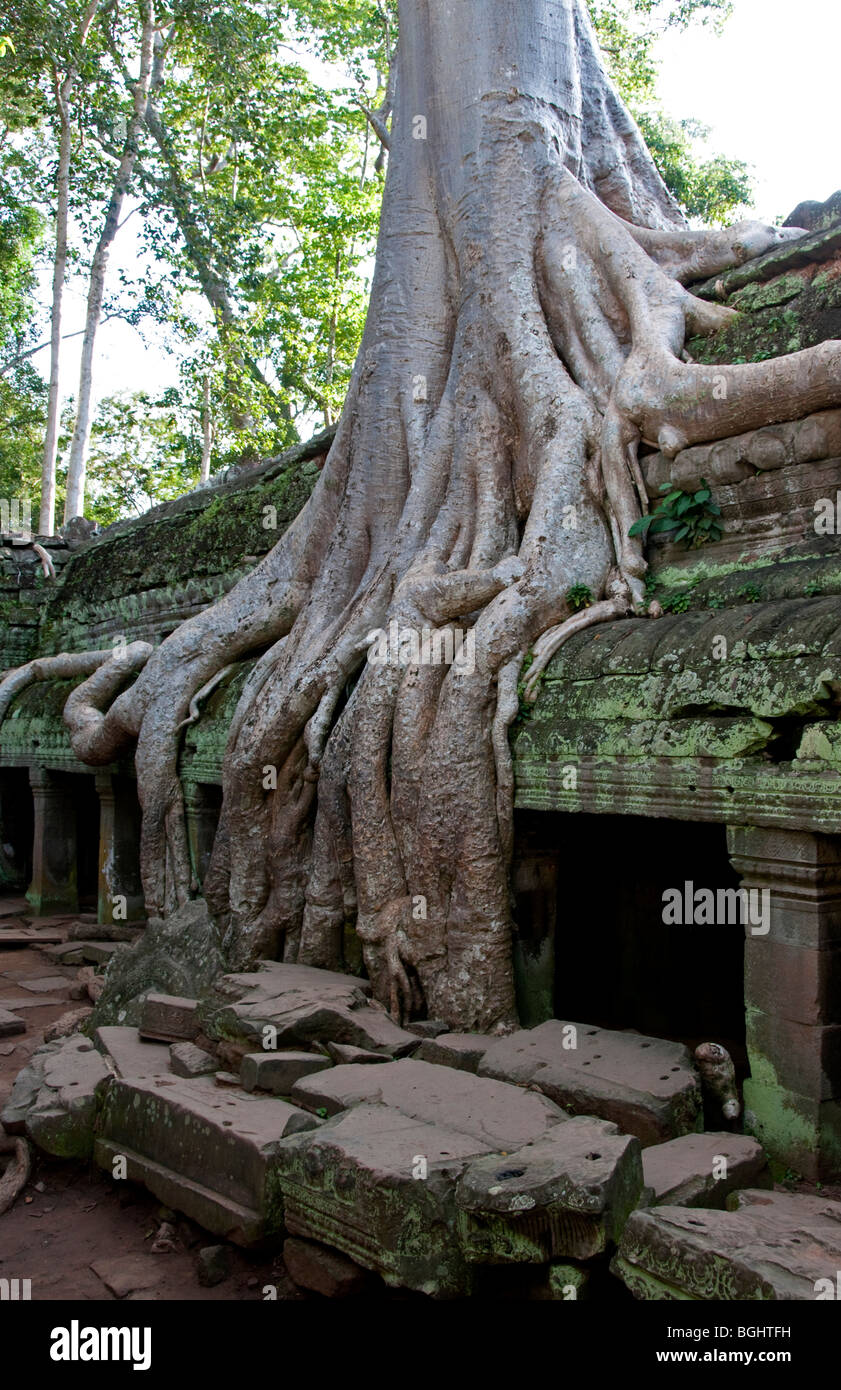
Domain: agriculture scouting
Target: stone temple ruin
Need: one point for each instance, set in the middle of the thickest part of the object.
(580, 1156)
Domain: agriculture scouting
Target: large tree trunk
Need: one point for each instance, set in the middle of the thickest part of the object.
(524, 337)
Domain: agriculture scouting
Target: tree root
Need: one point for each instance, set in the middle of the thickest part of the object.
(16, 1176)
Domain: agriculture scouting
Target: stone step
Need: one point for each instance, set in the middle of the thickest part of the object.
(501, 1116)
(223, 1141)
(701, 1170)
(16, 938)
(647, 1086)
(220, 1215)
(131, 1055)
(771, 1245)
(169, 1018)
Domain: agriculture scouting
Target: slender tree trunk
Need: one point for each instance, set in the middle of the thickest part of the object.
(77, 463)
(207, 431)
(64, 92)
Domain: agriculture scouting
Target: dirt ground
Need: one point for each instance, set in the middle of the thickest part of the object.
(72, 1216)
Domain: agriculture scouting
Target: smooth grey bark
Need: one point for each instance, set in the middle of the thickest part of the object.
(64, 88)
(77, 462)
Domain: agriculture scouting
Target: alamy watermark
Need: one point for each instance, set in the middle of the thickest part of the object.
(708, 907)
(426, 646)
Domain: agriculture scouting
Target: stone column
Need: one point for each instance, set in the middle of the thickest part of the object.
(54, 887)
(202, 813)
(119, 893)
(793, 995)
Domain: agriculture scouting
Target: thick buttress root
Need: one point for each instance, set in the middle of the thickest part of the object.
(516, 359)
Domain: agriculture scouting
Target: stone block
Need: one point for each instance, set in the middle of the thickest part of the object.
(321, 1270)
(501, 1116)
(464, 1051)
(647, 1086)
(303, 1005)
(567, 1195)
(55, 1097)
(169, 1018)
(380, 1187)
(797, 983)
(130, 1055)
(277, 1072)
(185, 1059)
(10, 1024)
(773, 1246)
(689, 1172)
(804, 1059)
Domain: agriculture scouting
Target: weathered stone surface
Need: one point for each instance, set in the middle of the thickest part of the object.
(68, 1023)
(344, 1053)
(213, 1265)
(10, 1024)
(130, 1055)
(645, 1085)
(773, 1245)
(127, 1274)
(688, 1172)
(380, 1187)
(44, 984)
(426, 1027)
(501, 1116)
(201, 1150)
(54, 1098)
(180, 955)
(303, 1005)
(185, 1059)
(324, 1271)
(169, 1018)
(464, 1051)
(568, 1195)
(278, 1071)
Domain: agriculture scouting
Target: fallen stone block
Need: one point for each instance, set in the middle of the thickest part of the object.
(427, 1027)
(55, 1097)
(647, 1086)
(200, 1149)
(10, 1024)
(44, 984)
(213, 1265)
(185, 1059)
(301, 1005)
(464, 1051)
(380, 1187)
(277, 1072)
(127, 1274)
(169, 1018)
(502, 1116)
(321, 1270)
(130, 1055)
(344, 1053)
(567, 1195)
(68, 1023)
(100, 952)
(65, 953)
(772, 1246)
(701, 1170)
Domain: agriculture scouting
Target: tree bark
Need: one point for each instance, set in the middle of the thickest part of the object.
(64, 91)
(523, 340)
(77, 463)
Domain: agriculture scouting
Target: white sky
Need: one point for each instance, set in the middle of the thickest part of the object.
(767, 87)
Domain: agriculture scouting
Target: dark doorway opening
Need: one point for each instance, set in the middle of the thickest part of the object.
(16, 827)
(618, 964)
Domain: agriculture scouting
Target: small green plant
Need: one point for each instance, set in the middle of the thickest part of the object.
(690, 517)
(715, 601)
(579, 596)
(677, 603)
(813, 588)
(751, 593)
